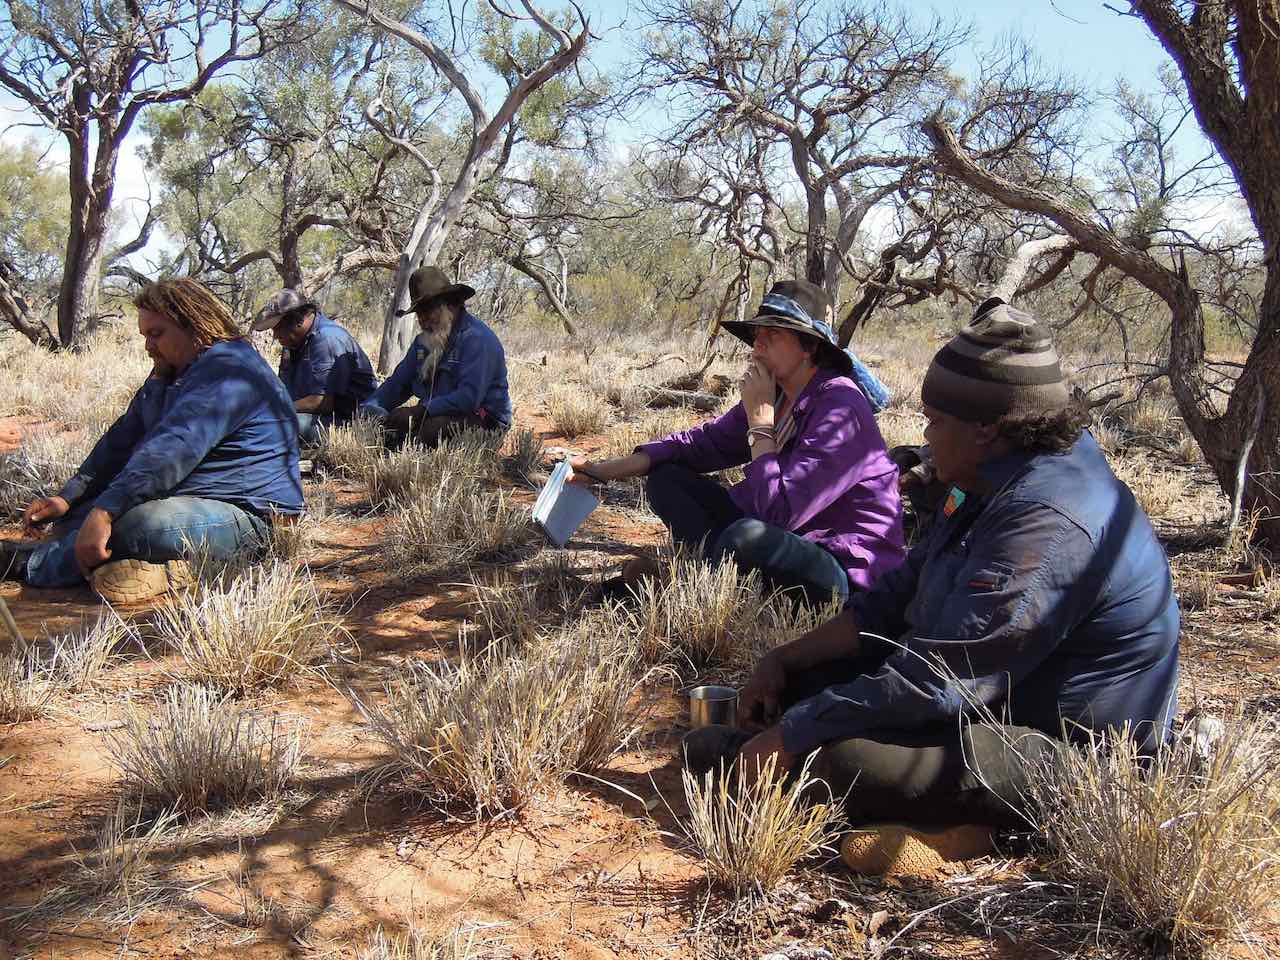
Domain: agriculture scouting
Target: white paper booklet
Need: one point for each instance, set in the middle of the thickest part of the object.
(562, 506)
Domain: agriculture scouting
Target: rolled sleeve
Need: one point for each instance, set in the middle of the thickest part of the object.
(1008, 607)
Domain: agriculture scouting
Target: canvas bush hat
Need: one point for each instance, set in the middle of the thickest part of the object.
(429, 283)
(802, 307)
(1002, 362)
(284, 302)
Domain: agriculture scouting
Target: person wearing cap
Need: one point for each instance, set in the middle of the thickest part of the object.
(456, 368)
(818, 508)
(1038, 610)
(203, 459)
(325, 370)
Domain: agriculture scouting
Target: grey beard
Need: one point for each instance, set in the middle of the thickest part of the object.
(433, 341)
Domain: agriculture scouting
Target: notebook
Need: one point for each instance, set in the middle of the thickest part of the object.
(562, 506)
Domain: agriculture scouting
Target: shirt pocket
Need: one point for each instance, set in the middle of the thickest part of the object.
(981, 595)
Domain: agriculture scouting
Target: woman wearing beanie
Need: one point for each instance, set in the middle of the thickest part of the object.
(818, 510)
(1040, 596)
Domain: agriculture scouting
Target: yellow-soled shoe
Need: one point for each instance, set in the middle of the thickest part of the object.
(132, 581)
(896, 849)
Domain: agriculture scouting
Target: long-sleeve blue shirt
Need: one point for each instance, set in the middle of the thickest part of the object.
(225, 429)
(1050, 600)
(471, 377)
(329, 362)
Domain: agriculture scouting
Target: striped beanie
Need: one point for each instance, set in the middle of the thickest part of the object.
(1002, 363)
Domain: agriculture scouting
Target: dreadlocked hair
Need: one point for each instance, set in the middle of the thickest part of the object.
(193, 307)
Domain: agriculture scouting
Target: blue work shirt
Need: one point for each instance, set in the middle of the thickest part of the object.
(224, 429)
(329, 362)
(471, 377)
(1051, 600)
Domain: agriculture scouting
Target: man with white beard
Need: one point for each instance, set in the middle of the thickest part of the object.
(456, 368)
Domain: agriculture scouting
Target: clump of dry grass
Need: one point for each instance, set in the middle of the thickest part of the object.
(1188, 844)
(351, 448)
(496, 729)
(1157, 488)
(43, 462)
(750, 834)
(1198, 590)
(453, 522)
(26, 688)
(575, 413)
(396, 475)
(523, 455)
(117, 880)
(76, 660)
(262, 628)
(460, 943)
(200, 752)
(518, 609)
(291, 537)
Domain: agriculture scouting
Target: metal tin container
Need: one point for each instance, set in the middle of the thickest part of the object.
(712, 704)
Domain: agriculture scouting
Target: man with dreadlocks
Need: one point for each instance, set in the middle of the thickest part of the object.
(456, 368)
(203, 458)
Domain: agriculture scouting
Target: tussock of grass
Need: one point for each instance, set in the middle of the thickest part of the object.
(395, 476)
(1157, 488)
(26, 689)
(749, 836)
(350, 449)
(77, 660)
(575, 413)
(523, 455)
(291, 537)
(518, 609)
(43, 462)
(403, 474)
(700, 615)
(261, 629)
(200, 752)
(1189, 846)
(117, 880)
(454, 522)
(460, 943)
(497, 729)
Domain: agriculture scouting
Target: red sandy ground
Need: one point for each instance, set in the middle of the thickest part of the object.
(586, 875)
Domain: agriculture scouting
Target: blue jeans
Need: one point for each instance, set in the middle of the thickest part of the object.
(157, 530)
(310, 425)
(702, 516)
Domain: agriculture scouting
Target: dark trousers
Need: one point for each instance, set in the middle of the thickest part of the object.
(960, 773)
(412, 421)
(702, 516)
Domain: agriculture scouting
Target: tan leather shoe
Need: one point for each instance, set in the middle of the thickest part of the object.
(132, 581)
(896, 849)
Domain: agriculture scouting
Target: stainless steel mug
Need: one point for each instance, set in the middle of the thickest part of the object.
(712, 704)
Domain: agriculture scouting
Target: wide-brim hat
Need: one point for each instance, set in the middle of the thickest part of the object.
(283, 302)
(430, 283)
(799, 306)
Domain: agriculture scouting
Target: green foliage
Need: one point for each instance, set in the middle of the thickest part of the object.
(33, 216)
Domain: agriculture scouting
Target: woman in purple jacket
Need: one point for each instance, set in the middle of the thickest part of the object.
(818, 509)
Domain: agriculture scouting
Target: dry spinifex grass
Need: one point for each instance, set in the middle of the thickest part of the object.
(453, 522)
(460, 943)
(496, 729)
(200, 752)
(701, 614)
(750, 835)
(1189, 845)
(262, 628)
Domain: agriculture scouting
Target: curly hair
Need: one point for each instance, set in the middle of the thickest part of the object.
(1046, 432)
(192, 306)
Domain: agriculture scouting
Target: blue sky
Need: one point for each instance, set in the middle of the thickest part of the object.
(1080, 37)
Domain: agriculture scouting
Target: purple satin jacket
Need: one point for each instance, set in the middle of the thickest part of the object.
(833, 483)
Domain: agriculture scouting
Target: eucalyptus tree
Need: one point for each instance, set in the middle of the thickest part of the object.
(496, 68)
(88, 71)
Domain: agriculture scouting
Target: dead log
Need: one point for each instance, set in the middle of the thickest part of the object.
(659, 397)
